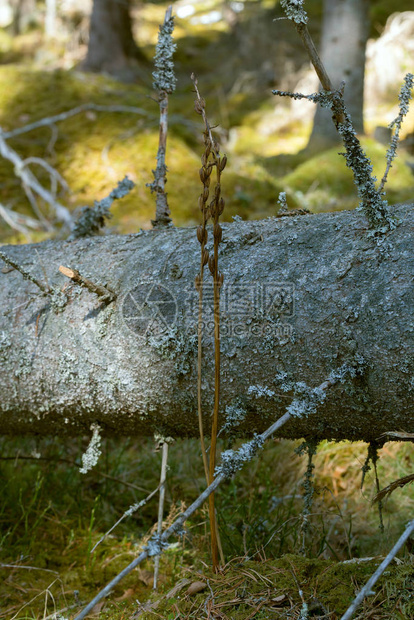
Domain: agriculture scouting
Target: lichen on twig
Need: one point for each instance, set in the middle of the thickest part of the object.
(92, 219)
(165, 83)
(373, 204)
(404, 99)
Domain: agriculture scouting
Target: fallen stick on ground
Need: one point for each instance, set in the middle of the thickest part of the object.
(367, 589)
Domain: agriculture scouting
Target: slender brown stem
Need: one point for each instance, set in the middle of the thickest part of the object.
(199, 360)
(302, 29)
(210, 159)
(161, 507)
(214, 427)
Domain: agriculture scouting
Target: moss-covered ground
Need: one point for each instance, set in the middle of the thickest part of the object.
(51, 516)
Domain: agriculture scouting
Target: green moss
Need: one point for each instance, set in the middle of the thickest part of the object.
(326, 586)
(324, 180)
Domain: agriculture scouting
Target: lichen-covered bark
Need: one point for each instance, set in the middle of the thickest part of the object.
(61, 371)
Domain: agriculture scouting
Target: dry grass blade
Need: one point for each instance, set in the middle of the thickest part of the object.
(401, 482)
(399, 436)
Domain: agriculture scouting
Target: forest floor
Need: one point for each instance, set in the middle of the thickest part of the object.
(51, 516)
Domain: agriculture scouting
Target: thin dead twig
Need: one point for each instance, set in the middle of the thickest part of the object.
(161, 487)
(104, 293)
(367, 589)
(401, 482)
(31, 184)
(63, 116)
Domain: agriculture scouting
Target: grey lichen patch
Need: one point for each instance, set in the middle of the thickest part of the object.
(93, 451)
(58, 300)
(103, 320)
(250, 238)
(163, 74)
(260, 391)
(233, 460)
(5, 345)
(235, 414)
(25, 362)
(176, 343)
(307, 400)
(294, 10)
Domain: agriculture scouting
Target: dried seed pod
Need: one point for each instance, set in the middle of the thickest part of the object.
(223, 163)
(207, 180)
(211, 264)
(197, 281)
(201, 202)
(204, 159)
(218, 233)
(202, 173)
(205, 193)
(199, 105)
(217, 190)
(205, 256)
(200, 234)
(220, 279)
(208, 148)
(205, 236)
(221, 205)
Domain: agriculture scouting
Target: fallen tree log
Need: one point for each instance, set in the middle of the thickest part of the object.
(302, 296)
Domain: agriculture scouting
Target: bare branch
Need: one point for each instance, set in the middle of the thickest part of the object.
(63, 116)
(30, 181)
(26, 275)
(103, 292)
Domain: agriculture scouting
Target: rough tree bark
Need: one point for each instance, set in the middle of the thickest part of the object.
(302, 296)
(111, 44)
(345, 29)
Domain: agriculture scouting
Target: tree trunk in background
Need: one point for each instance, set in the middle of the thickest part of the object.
(50, 19)
(111, 44)
(23, 13)
(302, 296)
(345, 30)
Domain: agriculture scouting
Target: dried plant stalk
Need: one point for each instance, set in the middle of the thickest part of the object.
(210, 159)
(161, 507)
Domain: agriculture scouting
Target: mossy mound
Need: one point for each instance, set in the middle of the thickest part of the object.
(286, 588)
(324, 183)
(93, 150)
